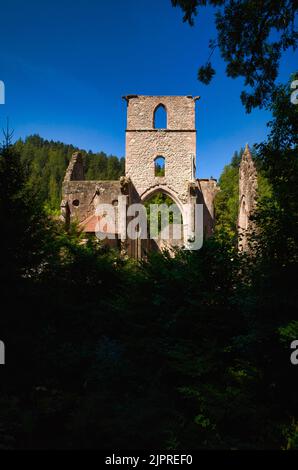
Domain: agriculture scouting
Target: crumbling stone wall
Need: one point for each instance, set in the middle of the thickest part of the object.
(208, 189)
(248, 185)
(79, 196)
(83, 196)
(75, 170)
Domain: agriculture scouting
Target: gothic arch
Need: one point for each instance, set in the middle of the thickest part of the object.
(174, 234)
(159, 188)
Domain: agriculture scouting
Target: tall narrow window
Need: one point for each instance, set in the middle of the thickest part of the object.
(160, 117)
(159, 166)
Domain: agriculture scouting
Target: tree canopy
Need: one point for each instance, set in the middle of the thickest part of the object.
(251, 37)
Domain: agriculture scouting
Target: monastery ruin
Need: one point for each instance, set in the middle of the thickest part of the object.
(175, 146)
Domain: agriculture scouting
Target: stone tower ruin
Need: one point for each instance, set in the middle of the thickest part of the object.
(248, 185)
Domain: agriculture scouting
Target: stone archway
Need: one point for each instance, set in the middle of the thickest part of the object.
(165, 212)
(160, 188)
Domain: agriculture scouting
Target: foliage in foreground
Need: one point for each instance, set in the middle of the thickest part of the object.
(171, 353)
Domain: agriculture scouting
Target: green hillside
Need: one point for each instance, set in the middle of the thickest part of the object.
(46, 162)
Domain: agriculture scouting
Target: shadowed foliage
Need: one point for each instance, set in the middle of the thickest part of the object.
(191, 351)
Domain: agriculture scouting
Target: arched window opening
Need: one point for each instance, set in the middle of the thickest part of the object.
(159, 166)
(160, 117)
(164, 218)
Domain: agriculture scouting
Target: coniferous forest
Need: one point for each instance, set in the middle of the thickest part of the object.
(198, 357)
(46, 162)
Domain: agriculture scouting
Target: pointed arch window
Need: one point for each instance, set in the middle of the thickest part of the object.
(159, 166)
(160, 117)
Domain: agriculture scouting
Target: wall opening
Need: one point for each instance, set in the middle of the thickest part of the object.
(165, 221)
(159, 166)
(2, 92)
(160, 117)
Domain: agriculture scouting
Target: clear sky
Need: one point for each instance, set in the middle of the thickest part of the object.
(66, 65)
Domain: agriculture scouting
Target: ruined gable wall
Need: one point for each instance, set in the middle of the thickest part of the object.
(75, 169)
(78, 195)
(83, 194)
(248, 185)
(208, 189)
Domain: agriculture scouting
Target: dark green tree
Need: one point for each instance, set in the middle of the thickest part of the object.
(251, 37)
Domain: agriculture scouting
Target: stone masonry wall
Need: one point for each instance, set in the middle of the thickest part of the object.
(177, 149)
(83, 196)
(208, 189)
(180, 111)
(75, 170)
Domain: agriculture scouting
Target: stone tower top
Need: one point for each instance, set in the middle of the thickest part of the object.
(246, 156)
(180, 112)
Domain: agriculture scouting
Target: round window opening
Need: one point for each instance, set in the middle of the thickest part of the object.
(115, 202)
(76, 203)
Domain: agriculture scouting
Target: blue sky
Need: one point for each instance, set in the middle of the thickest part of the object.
(66, 65)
